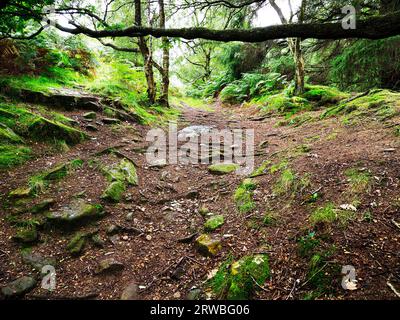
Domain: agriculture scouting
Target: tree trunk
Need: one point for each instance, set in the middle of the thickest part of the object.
(147, 57)
(164, 98)
(295, 49)
(299, 64)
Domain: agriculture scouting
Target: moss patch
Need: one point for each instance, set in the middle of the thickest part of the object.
(214, 223)
(11, 155)
(223, 168)
(240, 279)
(114, 191)
(243, 196)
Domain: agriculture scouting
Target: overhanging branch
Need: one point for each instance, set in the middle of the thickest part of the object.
(371, 28)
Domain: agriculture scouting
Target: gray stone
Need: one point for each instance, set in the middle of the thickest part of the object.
(77, 210)
(109, 265)
(37, 261)
(130, 292)
(19, 287)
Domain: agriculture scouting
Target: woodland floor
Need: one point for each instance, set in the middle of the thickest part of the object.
(165, 212)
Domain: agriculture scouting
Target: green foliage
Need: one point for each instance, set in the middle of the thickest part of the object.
(250, 86)
(283, 103)
(323, 94)
(307, 244)
(240, 279)
(122, 81)
(377, 104)
(366, 64)
(243, 196)
(328, 214)
(324, 214)
(11, 155)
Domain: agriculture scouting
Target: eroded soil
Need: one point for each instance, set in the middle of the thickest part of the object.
(165, 210)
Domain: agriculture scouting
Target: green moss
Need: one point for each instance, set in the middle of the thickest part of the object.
(8, 136)
(261, 170)
(324, 214)
(26, 234)
(77, 243)
(214, 223)
(358, 179)
(114, 191)
(223, 168)
(11, 155)
(46, 129)
(243, 196)
(240, 279)
(109, 113)
(324, 95)
(282, 103)
(378, 104)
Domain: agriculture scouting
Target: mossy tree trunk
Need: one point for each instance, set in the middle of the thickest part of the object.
(145, 50)
(165, 61)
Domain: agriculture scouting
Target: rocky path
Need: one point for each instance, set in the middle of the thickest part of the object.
(143, 245)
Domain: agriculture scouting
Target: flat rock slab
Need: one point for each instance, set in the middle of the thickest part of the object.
(77, 210)
(67, 99)
(37, 261)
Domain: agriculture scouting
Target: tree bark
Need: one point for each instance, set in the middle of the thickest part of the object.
(164, 98)
(147, 56)
(295, 49)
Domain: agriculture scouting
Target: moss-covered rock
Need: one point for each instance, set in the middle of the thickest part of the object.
(223, 168)
(56, 173)
(323, 94)
(78, 210)
(261, 170)
(208, 245)
(114, 191)
(214, 223)
(129, 170)
(26, 234)
(124, 171)
(41, 206)
(7, 135)
(236, 281)
(90, 115)
(22, 192)
(18, 287)
(77, 243)
(37, 261)
(47, 129)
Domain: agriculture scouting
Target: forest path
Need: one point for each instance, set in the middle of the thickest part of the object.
(150, 233)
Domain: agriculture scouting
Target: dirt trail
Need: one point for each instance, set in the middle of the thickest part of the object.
(164, 208)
